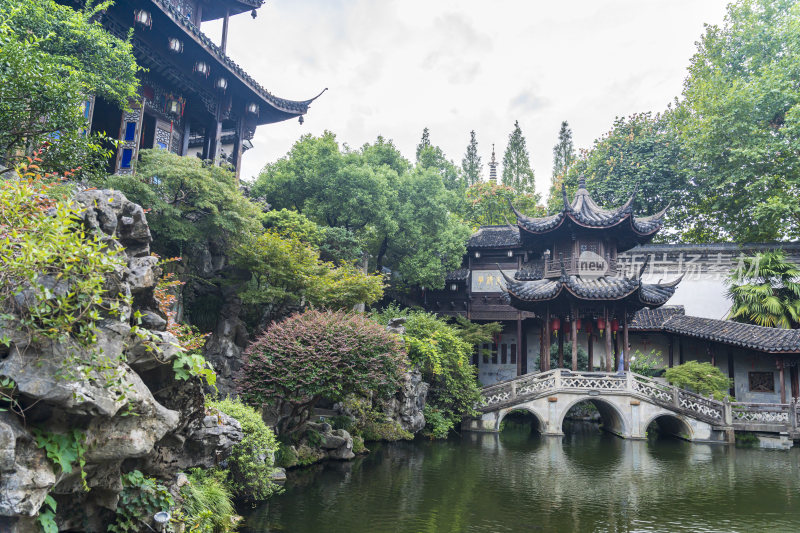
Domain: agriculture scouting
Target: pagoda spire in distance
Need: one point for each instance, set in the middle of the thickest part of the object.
(493, 167)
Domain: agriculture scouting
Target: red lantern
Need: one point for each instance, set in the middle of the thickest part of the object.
(555, 325)
(578, 324)
(614, 326)
(601, 324)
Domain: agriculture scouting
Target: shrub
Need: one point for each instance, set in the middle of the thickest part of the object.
(646, 364)
(371, 424)
(437, 425)
(140, 499)
(439, 350)
(250, 465)
(702, 378)
(314, 355)
(207, 505)
(55, 277)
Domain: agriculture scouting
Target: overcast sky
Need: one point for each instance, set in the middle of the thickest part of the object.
(394, 67)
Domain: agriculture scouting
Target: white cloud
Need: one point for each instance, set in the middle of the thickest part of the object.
(396, 66)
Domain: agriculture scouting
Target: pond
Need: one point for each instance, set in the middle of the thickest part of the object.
(520, 481)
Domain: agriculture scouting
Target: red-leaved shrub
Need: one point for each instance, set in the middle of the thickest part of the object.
(319, 354)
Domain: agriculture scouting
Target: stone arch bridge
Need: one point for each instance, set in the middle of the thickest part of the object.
(628, 403)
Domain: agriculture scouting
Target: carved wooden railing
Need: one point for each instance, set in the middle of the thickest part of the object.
(753, 416)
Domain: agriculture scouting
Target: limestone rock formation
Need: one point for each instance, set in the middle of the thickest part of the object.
(147, 420)
(408, 403)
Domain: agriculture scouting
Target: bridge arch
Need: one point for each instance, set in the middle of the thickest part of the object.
(613, 418)
(540, 424)
(671, 424)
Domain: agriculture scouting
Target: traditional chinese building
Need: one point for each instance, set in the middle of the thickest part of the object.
(589, 275)
(195, 100)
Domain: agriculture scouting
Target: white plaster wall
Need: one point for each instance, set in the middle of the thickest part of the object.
(702, 296)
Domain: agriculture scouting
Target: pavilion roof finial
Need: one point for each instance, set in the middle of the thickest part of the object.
(581, 182)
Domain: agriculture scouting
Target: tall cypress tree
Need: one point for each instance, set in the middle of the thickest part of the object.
(517, 171)
(471, 164)
(563, 151)
(425, 142)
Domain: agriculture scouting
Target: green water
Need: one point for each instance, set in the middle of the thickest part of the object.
(518, 481)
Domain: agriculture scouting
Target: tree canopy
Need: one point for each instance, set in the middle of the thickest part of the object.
(471, 165)
(641, 154)
(517, 171)
(563, 151)
(739, 118)
(403, 215)
(52, 57)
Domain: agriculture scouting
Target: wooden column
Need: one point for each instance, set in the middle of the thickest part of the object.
(626, 351)
(561, 347)
(573, 324)
(680, 351)
(590, 349)
(224, 44)
(711, 354)
(237, 148)
(781, 377)
(544, 357)
(215, 138)
(731, 373)
(519, 344)
(671, 350)
(187, 132)
(609, 350)
(616, 352)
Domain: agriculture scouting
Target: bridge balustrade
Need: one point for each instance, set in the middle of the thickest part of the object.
(738, 415)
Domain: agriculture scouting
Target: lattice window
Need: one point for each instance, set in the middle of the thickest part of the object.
(494, 354)
(513, 354)
(761, 381)
(485, 351)
(504, 354)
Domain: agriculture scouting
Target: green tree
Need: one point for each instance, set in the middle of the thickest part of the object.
(424, 142)
(643, 154)
(430, 240)
(190, 203)
(702, 378)
(487, 203)
(471, 165)
(765, 290)
(53, 57)
(739, 117)
(403, 217)
(563, 153)
(432, 157)
(517, 171)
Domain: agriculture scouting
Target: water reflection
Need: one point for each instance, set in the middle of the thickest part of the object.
(519, 481)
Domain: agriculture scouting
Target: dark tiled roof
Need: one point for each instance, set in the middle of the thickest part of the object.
(287, 106)
(529, 273)
(773, 340)
(494, 237)
(457, 275)
(585, 212)
(604, 288)
(654, 319)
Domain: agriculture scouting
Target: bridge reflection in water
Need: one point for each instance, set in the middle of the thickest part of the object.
(518, 481)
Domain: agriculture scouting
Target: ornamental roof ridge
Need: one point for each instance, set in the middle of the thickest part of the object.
(584, 211)
(299, 107)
